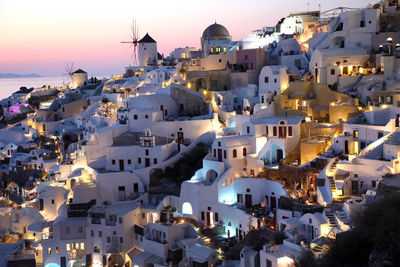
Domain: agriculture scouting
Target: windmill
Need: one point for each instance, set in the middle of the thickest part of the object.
(69, 68)
(134, 41)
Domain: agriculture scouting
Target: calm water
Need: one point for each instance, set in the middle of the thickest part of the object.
(11, 85)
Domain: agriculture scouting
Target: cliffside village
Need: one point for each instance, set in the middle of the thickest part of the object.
(203, 157)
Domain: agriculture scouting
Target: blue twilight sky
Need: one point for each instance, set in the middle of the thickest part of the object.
(42, 35)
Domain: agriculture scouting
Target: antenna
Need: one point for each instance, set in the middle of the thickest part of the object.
(134, 41)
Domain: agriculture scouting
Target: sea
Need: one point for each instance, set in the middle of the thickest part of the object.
(11, 85)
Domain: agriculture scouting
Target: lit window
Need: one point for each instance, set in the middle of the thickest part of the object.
(82, 246)
(68, 247)
(211, 50)
(224, 49)
(48, 250)
(183, 55)
(57, 250)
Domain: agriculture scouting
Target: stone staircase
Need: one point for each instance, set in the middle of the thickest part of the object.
(331, 219)
(343, 217)
(331, 179)
(318, 249)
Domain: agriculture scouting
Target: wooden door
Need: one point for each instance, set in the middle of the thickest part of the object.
(219, 154)
(273, 202)
(208, 218)
(279, 155)
(248, 201)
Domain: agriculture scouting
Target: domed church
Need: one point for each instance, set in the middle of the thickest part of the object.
(216, 40)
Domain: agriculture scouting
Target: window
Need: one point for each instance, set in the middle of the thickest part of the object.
(57, 250)
(80, 229)
(248, 129)
(92, 233)
(234, 153)
(100, 233)
(135, 117)
(380, 135)
(224, 154)
(216, 216)
(155, 161)
(290, 131)
(108, 239)
(266, 130)
(362, 24)
(121, 240)
(120, 220)
(239, 198)
(147, 152)
(211, 50)
(389, 99)
(215, 153)
(113, 161)
(146, 116)
(219, 60)
(143, 215)
(355, 134)
(310, 221)
(129, 162)
(266, 79)
(374, 184)
(139, 160)
(244, 152)
(202, 216)
(332, 71)
(275, 132)
(52, 201)
(49, 251)
(275, 80)
(68, 247)
(219, 143)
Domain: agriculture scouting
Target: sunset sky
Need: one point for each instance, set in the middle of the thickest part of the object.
(40, 36)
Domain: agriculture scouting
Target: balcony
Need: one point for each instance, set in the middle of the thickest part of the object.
(96, 220)
(111, 223)
(75, 254)
(113, 247)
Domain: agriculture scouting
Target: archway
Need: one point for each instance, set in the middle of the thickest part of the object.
(201, 84)
(211, 176)
(187, 208)
(116, 260)
(338, 42)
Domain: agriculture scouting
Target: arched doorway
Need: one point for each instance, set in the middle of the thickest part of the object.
(201, 84)
(187, 208)
(211, 176)
(116, 260)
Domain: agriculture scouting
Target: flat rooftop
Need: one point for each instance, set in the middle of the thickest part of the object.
(133, 139)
